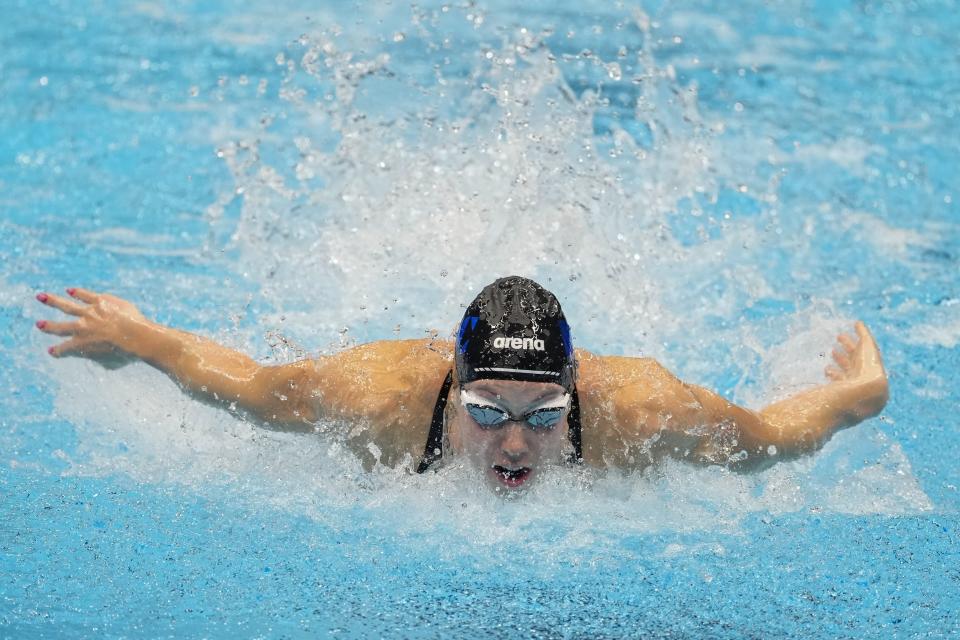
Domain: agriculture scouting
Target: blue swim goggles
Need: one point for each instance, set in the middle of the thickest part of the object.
(490, 417)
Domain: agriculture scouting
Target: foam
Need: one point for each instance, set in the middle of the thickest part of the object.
(886, 238)
(941, 329)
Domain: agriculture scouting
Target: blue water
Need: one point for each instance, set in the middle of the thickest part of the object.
(721, 187)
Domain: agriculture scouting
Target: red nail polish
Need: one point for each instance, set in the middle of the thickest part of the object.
(41, 324)
(42, 297)
(50, 350)
(71, 291)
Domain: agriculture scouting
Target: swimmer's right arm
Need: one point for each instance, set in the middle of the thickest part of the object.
(106, 325)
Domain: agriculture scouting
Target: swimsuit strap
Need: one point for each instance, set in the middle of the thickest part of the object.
(434, 449)
(575, 431)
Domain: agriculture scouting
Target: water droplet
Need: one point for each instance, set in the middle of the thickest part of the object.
(399, 36)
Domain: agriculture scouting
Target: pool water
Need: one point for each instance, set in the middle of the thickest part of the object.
(721, 187)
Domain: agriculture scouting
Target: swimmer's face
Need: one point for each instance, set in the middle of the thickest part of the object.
(510, 454)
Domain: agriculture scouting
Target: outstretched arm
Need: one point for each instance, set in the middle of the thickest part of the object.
(857, 390)
(694, 423)
(105, 325)
(803, 423)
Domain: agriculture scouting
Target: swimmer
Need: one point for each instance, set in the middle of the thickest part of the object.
(509, 394)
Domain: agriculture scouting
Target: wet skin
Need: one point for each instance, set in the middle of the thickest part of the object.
(510, 455)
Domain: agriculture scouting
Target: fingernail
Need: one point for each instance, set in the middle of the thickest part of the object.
(42, 297)
(41, 324)
(71, 291)
(50, 350)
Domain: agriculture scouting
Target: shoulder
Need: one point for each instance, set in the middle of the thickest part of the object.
(386, 390)
(643, 380)
(375, 376)
(625, 401)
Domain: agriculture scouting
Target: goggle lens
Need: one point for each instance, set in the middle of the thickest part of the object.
(487, 416)
(544, 418)
(491, 417)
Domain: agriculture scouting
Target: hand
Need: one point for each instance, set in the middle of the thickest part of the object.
(103, 327)
(858, 366)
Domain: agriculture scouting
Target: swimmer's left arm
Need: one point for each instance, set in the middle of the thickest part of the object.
(656, 412)
(802, 423)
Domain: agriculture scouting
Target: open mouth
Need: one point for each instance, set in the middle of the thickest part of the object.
(512, 477)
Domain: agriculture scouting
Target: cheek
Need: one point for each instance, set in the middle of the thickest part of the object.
(467, 438)
(552, 443)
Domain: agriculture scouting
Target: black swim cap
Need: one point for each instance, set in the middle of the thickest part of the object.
(515, 330)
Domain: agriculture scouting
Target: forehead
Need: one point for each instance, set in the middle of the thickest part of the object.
(515, 391)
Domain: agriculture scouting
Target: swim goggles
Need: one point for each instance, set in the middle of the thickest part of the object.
(543, 418)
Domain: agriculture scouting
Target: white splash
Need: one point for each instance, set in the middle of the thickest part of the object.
(941, 327)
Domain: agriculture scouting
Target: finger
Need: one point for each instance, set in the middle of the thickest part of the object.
(847, 342)
(65, 348)
(863, 333)
(67, 306)
(79, 347)
(84, 295)
(871, 352)
(841, 358)
(58, 328)
(833, 373)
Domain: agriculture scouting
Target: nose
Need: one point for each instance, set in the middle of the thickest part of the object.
(514, 444)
